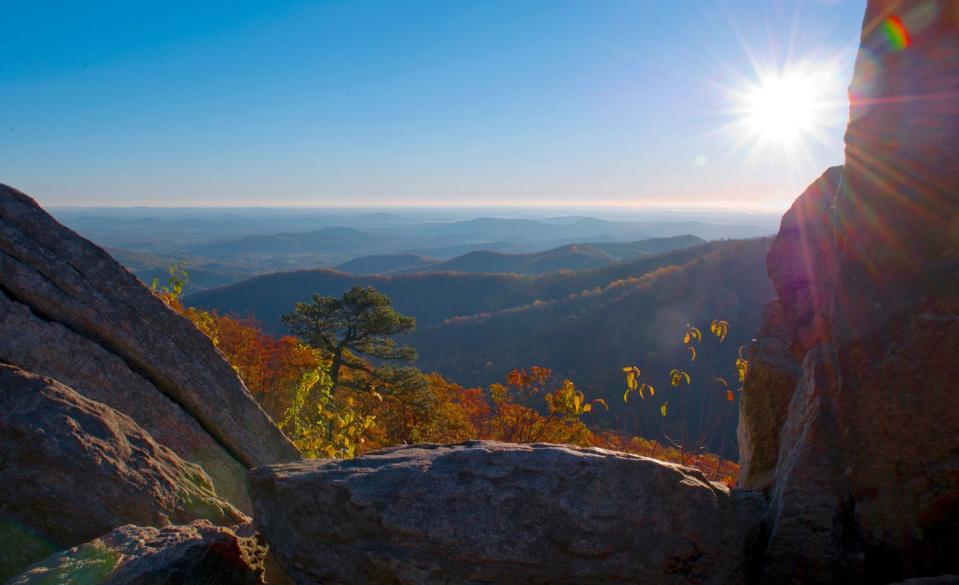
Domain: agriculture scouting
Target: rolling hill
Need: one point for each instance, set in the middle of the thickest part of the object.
(321, 240)
(585, 325)
(383, 263)
(590, 336)
(571, 257)
(431, 297)
(568, 257)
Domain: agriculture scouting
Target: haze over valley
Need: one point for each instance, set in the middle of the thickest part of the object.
(222, 246)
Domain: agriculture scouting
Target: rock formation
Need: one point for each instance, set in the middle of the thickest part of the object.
(195, 554)
(801, 263)
(849, 431)
(70, 312)
(72, 469)
(864, 480)
(486, 512)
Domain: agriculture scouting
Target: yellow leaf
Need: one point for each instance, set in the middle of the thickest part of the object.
(742, 366)
(626, 394)
(692, 353)
(652, 391)
(601, 402)
(587, 408)
(692, 333)
(664, 408)
(719, 328)
(723, 382)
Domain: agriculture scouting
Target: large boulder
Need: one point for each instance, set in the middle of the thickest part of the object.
(72, 469)
(486, 512)
(865, 481)
(195, 554)
(70, 312)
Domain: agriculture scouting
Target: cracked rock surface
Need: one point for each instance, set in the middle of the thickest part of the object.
(487, 512)
(69, 311)
(72, 469)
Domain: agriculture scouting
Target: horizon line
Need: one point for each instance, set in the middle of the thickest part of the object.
(418, 206)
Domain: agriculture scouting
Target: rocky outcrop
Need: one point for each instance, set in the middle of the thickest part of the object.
(864, 485)
(486, 512)
(195, 554)
(70, 312)
(764, 401)
(802, 263)
(72, 469)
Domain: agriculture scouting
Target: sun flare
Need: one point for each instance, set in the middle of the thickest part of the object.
(784, 107)
(779, 117)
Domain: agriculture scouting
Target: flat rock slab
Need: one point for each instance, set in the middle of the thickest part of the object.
(194, 554)
(487, 512)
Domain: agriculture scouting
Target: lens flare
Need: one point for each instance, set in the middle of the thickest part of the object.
(896, 33)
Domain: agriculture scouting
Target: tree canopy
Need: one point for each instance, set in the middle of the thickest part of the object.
(359, 323)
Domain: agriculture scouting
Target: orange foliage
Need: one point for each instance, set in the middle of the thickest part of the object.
(270, 367)
(532, 406)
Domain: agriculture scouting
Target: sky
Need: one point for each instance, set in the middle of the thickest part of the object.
(417, 103)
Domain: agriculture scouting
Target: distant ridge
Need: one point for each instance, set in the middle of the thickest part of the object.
(430, 296)
(568, 257)
(385, 263)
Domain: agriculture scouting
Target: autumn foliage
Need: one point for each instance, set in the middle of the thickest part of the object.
(291, 381)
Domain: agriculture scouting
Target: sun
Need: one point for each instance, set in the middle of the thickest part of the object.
(784, 107)
(781, 109)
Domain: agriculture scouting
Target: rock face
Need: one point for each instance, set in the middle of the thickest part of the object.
(802, 263)
(764, 401)
(72, 469)
(864, 483)
(196, 554)
(70, 312)
(486, 512)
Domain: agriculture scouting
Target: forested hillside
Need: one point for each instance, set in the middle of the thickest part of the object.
(585, 325)
(588, 337)
(430, 297)
(569, 257)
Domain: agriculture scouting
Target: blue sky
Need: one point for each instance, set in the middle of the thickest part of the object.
(546, 102)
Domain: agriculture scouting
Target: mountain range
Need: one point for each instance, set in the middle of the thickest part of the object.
(474, 327)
